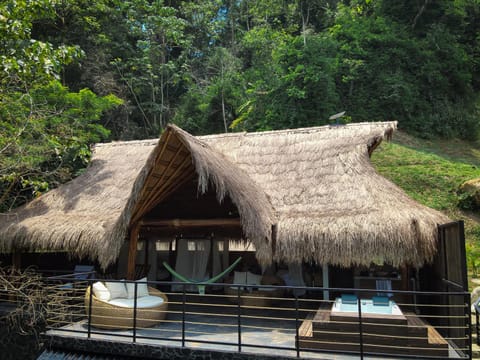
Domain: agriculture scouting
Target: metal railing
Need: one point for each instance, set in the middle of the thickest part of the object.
(477, 325)
(262, 318)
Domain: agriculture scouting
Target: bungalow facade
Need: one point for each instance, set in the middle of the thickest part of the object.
(304, 199)
(301, 196)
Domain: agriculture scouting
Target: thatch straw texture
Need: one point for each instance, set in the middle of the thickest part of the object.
(83, 216)
(316, 186)
(332, 205)
(255, 210)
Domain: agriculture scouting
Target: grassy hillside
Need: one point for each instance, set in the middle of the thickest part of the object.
(431, 171)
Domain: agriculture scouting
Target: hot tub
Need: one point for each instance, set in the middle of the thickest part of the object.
(389, 313)
(367, 307)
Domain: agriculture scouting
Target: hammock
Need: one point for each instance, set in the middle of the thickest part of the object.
(201, 284)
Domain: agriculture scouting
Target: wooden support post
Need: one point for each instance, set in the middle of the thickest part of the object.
(405, 277)
(16, 260)
(132, 251)
(210, 263)
(171, 257)
(146, 243)
(325, 282)
(226, 254)
(405, 283)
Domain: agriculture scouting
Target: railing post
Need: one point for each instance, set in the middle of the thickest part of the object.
(135, 284)
(184, 298)
(469, 323)
(239, 319)
(477, 326)
(89, 326)
(297, 333)
(360, 329)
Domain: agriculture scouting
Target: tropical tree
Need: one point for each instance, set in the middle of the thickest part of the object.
(211, 103)
(45, 129)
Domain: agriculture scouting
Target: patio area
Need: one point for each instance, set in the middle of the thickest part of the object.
(288, 328)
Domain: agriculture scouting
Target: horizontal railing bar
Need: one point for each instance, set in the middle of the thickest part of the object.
(389, 354)
(198, 332)
(310, 288)
(209, 314)
(243, 344)
(265, 328)
(268, 318)
(204, 323)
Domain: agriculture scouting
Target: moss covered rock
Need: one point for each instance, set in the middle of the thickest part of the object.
(469, 194)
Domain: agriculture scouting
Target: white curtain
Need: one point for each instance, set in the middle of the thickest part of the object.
(384, 284)
(219, 257)
(192, 260)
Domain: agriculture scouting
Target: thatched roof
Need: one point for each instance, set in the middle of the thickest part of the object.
(316, 187)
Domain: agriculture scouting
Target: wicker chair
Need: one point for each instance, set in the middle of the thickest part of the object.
(108, 316)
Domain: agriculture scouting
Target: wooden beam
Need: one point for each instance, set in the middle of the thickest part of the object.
(154, 199)
(231, 232)
(132, 251)
(172, 187)
(170, 165)
(179, 223)
(159, 157)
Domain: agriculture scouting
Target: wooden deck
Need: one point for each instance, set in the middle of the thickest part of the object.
(387, 335)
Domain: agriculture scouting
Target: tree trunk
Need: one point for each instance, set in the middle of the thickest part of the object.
(420, 12)
(223, 112)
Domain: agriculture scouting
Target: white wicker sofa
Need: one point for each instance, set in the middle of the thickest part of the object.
(116, 312)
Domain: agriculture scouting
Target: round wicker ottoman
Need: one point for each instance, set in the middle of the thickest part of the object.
(107, 316)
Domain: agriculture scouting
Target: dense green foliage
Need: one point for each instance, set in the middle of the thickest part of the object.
(44, 137)
(222, 65)
(45, 130)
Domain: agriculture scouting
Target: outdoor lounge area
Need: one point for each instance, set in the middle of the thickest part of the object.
(306, 327)
(151, 307)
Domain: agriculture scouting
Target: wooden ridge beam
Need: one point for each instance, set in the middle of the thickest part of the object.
(178, 223)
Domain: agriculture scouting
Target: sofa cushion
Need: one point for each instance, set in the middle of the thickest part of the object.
(142, 288)
(100, 291)
(253, 279)
(349, 299)
(117, 289)
(240, 277)
(380, 301)
(142, 302)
